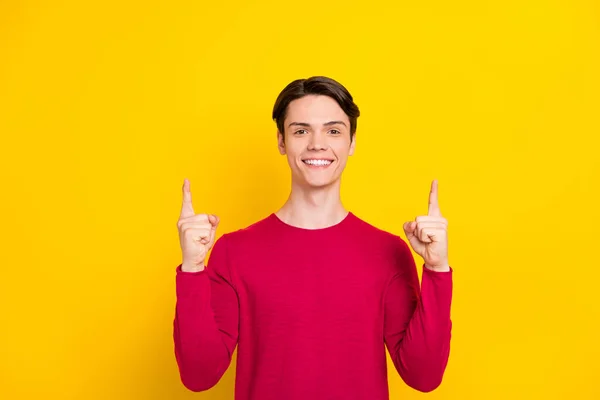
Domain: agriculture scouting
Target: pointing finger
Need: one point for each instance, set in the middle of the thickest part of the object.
(187, 210)
(434, 208)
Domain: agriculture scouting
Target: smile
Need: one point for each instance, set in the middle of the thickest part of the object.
(317, 162)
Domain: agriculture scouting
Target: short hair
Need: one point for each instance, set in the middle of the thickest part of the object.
(316, 85)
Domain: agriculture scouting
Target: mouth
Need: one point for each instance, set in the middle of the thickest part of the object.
(318, 162)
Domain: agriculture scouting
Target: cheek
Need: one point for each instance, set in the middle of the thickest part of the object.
(291, 151)
(293, 157)
(341, 150)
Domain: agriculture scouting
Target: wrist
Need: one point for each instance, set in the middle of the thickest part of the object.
(192, 268)
(438, 268)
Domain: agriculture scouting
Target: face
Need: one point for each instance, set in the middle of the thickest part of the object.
(317, 140)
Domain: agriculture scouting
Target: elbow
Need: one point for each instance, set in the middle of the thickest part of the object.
(426, 385)
(195, 385)
(194, 375)
(195, 382)
(199, 373)
(424, 372)
(426, 378)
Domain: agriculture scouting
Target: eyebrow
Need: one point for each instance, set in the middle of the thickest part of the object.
(325, 124)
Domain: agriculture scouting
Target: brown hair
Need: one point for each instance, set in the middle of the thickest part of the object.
(316, 85)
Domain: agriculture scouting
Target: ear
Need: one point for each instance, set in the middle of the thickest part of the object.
(352, 145)
(280, 143)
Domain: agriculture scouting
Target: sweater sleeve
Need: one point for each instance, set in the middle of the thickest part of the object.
(417, 321)
(205, 328)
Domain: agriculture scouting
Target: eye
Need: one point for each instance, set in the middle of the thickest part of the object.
(300, 131)
(335, 131)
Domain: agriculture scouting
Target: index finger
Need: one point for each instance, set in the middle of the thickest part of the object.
(187, 210)
(434, 208)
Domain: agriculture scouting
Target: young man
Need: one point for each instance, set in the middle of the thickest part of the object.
(312, 295)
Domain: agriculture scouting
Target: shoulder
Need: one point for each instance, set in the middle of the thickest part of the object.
(377, 234)
(386, 249)
(232, 245)
(249, 233)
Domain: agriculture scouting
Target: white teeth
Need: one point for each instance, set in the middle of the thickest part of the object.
(317, 162)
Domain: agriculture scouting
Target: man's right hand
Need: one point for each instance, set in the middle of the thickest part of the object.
(196, 233)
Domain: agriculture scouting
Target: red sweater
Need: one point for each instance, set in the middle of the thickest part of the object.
(311, 313)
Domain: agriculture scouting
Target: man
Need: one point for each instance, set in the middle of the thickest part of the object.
(312, 295)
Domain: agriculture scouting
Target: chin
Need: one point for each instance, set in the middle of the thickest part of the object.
(319, 184)
(311, 181)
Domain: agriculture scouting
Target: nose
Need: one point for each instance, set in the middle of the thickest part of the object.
(317, 142)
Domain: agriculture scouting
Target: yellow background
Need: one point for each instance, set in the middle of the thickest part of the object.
(105, 107)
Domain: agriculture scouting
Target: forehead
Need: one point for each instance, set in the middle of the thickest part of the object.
(315, 110)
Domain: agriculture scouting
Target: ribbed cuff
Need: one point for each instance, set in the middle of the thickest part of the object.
(190, 284)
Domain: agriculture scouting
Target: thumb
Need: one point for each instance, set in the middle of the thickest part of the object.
(214, 220)
(409, 228)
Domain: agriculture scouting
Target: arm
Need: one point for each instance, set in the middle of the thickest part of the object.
(205, 328)
(417, 325)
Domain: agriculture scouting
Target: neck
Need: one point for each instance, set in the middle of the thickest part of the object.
(313, 208)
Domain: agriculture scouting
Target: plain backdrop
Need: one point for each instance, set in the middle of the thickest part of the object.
(106, 106)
